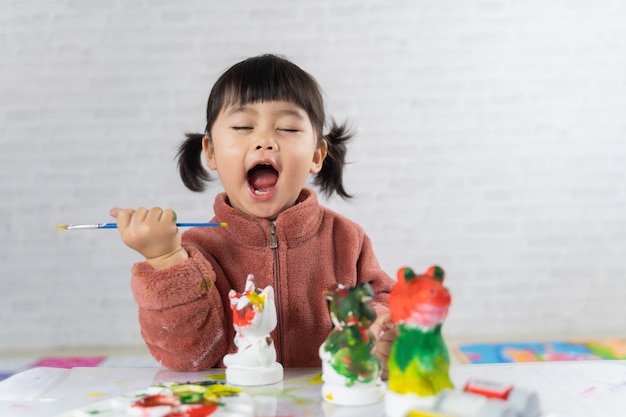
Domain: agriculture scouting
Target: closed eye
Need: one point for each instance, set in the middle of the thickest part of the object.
(289, 130)
(242, 128)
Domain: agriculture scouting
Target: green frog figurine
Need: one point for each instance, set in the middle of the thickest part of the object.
(419, 360)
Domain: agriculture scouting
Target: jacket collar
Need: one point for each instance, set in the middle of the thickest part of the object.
(293, 226)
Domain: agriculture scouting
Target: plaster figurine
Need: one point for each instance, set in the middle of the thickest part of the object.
(350, 371)
(254, 317)
(419, 361)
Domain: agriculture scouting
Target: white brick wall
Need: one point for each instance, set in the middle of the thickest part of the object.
(491, 141)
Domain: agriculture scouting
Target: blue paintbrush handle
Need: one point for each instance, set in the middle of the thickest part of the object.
(107, 226)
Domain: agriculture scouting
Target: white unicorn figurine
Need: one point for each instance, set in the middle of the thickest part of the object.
(254, 317)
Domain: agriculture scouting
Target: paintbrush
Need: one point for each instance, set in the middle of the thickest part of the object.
(114, 225)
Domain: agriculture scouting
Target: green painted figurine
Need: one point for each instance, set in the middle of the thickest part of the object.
(419, 361)
(350, 370)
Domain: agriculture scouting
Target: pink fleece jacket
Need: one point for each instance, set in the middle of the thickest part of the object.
(184, 310)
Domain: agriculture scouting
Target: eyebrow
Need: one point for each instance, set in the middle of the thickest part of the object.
(247, 109)
(238, 109)
(290, 112)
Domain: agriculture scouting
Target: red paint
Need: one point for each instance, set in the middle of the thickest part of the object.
(588, 390)
(243, 317)
(488, 389)
(423, 296)
(201, 411)
(69, 362)
(364, 333)
(157, 400)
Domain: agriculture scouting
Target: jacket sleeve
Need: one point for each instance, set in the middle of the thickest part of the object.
(369, 271)
(181, 313)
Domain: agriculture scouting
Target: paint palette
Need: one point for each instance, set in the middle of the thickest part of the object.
(197, 399)
(542, 351)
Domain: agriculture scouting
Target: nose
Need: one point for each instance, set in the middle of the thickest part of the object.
(265, 140)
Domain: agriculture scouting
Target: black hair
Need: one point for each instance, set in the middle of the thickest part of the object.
(268, 78)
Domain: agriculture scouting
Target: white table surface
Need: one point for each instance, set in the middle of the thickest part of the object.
(565, 389)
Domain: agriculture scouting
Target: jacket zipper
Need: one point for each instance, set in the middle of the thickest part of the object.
(274, 246)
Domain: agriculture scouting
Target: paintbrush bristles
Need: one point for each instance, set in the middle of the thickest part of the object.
(76, 226)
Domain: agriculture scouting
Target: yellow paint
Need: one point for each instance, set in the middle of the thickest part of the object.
(415, 381)
(209, 391)
(424, 413)
(62, 227)
(95, 394)
(209, 397)
(256, 299)
(317, 379)
(186, 389)
(217, 377)
(223, 390)
(329, 397)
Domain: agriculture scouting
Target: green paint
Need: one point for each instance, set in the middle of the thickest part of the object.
(426, 345)
(419, 362)
(352, 354)
(96, 412)
(351, 342)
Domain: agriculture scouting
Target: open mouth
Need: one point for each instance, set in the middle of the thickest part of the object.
(262, 178)
(428, 315)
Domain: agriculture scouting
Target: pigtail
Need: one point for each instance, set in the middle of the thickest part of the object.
(190, 167)
(330, 177)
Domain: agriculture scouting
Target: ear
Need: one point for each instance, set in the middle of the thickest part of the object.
(268, 292)
(436, 272)
(209, 153)
(405, 274)
(318, 157)
(367, 288)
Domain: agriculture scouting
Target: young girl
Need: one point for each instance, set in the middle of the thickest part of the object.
(264, 136)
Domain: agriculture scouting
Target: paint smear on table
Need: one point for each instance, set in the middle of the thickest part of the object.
(68, 362)
(317, 379)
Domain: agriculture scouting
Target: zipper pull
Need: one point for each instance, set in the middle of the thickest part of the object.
(273, 238)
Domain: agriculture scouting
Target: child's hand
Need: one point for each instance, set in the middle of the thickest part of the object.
(385, 333)
(152, 233)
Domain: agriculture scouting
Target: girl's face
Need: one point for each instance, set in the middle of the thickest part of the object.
(263, 153)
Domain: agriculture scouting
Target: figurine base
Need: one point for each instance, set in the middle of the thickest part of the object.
(399, 405)
(335, 410)
(357, 394)
(251, 376)
(265, 400)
